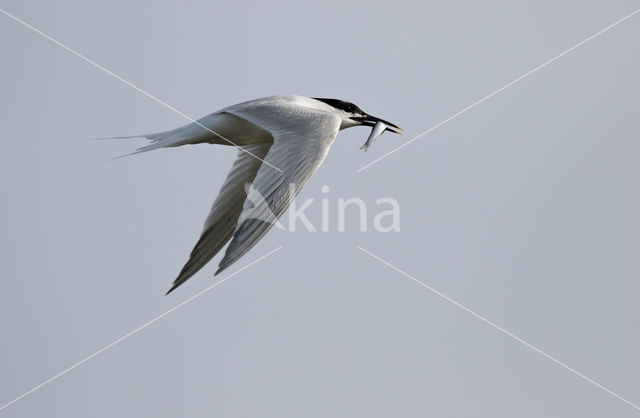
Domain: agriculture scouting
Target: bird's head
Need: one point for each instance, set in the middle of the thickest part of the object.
(352, 115)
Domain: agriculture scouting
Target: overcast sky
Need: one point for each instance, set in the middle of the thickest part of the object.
(523, 209)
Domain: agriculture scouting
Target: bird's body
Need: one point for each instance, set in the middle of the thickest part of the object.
(281, 140)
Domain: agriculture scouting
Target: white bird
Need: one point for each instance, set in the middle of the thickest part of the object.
(282, 140)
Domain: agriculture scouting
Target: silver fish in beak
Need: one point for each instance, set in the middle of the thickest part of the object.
(379, 127)
(377, 130)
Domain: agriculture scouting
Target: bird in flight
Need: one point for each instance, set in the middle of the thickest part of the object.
(281, 141)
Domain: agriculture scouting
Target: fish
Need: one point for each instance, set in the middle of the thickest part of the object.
(377, 130)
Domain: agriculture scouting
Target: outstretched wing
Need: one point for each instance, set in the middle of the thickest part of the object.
(223, 217)
(302, 138)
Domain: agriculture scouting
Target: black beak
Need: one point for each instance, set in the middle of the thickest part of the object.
(369, 120)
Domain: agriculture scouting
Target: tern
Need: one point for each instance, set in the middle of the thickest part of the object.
(281, 141)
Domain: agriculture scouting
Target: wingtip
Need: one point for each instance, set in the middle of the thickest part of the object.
(174, 286)
(224, 264)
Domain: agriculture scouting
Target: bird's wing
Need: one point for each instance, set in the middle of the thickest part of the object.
(223, 217)
(302, 138)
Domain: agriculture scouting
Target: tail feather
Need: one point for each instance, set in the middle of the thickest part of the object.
(152, 136)
(157, 140)
(138, 151)
(210, 129)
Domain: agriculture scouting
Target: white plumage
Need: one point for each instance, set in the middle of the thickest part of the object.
(281, 140)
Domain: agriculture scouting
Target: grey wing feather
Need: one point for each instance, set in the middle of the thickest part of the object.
(223, 218)
(301, 143)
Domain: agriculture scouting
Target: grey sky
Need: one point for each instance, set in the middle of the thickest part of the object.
(522, 209)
